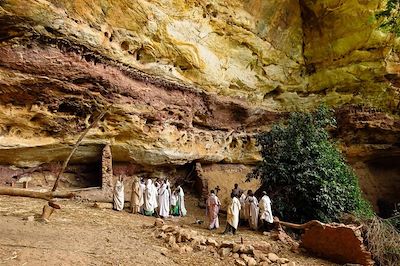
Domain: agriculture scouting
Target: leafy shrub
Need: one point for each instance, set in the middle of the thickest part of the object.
(304, 173)
(390, 17)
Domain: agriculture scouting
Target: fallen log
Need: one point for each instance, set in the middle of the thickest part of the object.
(46, 195)
(300, 226)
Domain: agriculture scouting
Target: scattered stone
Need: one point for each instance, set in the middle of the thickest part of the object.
(273, 257)
(171, 240)
(175, 247)
(265, 259)
(295, 248)
(240, 262)
(203, 240)
(227, 244)
(167, 228)
(237, 247)
(264, 263)
(212, 242)
(161, 235)
(251, 262)
(259, 255)
(185, 249)
(283, 260)
(211, 248)
(201, 248)
(263, 246)
(244, 257)
(103, 205)
(246, 249)
(164, 251)
(30, 218)
(224, 251)
(159, 222)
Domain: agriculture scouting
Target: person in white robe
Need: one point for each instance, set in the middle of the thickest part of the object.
(212, 208)
(150, 198)
(243, 217)
(232, 219)
(142, 188)
(253, 211)
(164, 200)
(174, 204)
(135, 196)
(266, 217)
(118, 195)
(169, 187)
(181, 201)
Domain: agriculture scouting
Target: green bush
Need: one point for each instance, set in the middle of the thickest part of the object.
(304, 173)
(390, 17)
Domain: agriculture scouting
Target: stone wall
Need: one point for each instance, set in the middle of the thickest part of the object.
(225, 176)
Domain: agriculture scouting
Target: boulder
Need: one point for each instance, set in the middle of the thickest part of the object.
(292, 263)
(337, 242)
(235, 255)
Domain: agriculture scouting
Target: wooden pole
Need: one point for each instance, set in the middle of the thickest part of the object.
(47, 195)
(76, 147)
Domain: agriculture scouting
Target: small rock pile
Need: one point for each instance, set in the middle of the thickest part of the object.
(185, 240)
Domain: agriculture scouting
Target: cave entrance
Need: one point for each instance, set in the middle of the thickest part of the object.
(82, 176)
(380, 181)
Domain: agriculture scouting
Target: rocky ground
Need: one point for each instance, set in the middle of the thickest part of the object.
(80, 234)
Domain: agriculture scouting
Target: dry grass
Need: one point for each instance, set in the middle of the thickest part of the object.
(383, 242)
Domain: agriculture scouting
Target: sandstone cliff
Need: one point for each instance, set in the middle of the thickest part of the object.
(191, 80)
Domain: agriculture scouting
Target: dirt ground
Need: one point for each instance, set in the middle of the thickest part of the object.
(79, 234)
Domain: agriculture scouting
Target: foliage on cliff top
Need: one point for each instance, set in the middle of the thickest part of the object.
(304, 173)
(390, 17)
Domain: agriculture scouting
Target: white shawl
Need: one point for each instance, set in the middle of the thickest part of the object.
(265, 209)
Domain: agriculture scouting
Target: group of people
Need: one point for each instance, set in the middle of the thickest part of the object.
(244, 208)
(153, 198)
